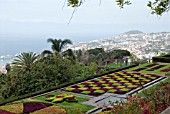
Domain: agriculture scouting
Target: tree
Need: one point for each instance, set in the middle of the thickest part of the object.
(157, 6)
(57, 46)
(25, 60)
(79, 54)
(69, 54)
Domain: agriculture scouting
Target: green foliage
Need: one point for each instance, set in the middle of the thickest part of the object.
(162, 58)
(102, 57)
(69, 54)
(120, 53)
(122, 3)
(45, 73)
(96, 51)
(157, 6)
(167, 74)
(83, 71)
(73, 3)
(25, 60)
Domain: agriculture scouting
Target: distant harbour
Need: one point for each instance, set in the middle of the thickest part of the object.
(4, 60)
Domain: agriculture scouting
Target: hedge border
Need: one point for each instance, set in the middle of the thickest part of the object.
(164, 58)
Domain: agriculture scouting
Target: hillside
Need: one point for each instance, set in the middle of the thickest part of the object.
(134, 32)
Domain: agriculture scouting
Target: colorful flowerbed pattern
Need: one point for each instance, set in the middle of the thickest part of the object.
(118, 83)
(25, 108)
(156, 68)
(61, 98)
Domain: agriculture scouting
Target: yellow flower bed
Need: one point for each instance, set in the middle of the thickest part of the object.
(51, 110)
(13, 108)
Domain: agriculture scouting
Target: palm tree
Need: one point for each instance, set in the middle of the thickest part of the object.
(57, 46)
(69, 54)
(25, 60)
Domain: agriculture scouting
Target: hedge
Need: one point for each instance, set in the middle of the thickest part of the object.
(164, 58)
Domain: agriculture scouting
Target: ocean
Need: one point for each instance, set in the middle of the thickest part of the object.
(9, 48)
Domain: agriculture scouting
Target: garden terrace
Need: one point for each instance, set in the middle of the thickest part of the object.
(118, 83)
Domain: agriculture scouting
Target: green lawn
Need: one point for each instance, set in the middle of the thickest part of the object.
(113, 65)
(155, 71)
(140, 66)
(71, 108)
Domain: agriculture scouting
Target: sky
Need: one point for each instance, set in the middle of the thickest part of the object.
(38, 20)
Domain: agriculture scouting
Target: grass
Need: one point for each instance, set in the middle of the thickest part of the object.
(140, 66)
(155, 71)
(113, 66)
(153, 87)
(70, 107)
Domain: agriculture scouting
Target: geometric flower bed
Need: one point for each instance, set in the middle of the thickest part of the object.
(150, 67)
(145, 67)
(21, 108)
(156, 68)
(118, 83)
(61, 98)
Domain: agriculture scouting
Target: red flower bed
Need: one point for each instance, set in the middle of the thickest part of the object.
(139, 69)
(151, 65)
(33, 106)
(166, 70)
(156, 68)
